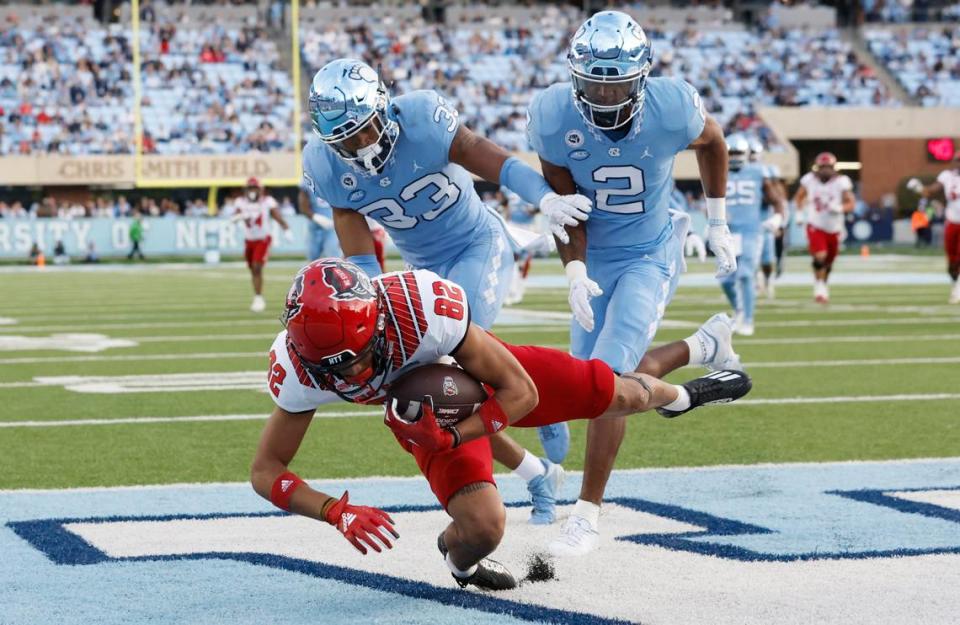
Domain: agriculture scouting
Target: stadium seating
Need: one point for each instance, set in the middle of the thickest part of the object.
(64, 85)
(926, 61)
(491, 65)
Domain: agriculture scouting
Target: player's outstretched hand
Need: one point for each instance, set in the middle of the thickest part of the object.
(288, 235)
(361, 525)
(772, 223)
(915, 185)
(324, 222)
(582, 288)
(425, 432)
(565, 210)
(722, 245)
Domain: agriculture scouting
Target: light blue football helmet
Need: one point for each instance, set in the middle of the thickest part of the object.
(609, 60)
(346, 96)
(738, 149)
(756, 148)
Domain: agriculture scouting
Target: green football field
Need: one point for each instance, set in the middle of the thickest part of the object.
(178, 397)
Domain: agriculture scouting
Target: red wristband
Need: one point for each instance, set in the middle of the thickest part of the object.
(494, 418)
(283, 488)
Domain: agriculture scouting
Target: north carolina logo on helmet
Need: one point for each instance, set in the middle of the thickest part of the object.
(347, 282)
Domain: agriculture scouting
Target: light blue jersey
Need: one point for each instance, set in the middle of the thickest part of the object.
(745, 202)
(632, 252)
(629, 180)
(427, 204)
(745, 198)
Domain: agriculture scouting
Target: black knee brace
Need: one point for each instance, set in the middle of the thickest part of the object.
(818, 264)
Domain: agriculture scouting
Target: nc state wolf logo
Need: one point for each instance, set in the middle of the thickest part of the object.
(294, 303)
(347, 282)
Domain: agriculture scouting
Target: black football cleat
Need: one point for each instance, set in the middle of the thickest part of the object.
(490, 574)
(717, 387)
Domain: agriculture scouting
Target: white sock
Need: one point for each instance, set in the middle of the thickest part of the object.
(698, 354)
(453, 568)
(682, 402)
(587, 510)
(530, 467)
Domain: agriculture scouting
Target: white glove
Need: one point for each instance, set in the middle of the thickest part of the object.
(288, 235)
(582, 289)
(722, 245)
(799, 216)
(565, 210)
(324, 222)
(773, 223)
(915, 185)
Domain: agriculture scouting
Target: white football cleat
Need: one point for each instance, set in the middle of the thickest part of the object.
(821, 294)
(745, 329)
(718, 331)
(771, 289)
(955, 293)
(577, 537)
(258, 304)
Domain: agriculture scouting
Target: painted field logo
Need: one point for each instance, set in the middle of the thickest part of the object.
(723, 528)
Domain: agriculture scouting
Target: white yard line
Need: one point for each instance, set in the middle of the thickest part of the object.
(193, 419)
(850, 399)
(133, 357)
(374, 413)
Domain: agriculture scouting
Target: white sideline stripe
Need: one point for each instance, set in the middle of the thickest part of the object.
(199, 418)
(374, 413)
(805, 323)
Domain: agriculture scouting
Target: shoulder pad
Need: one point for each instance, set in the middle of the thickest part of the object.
(547, 107)
(673, 99)
(417, 114)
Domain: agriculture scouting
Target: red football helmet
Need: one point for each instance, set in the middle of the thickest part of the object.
(825, 159)
(253, 182)
(334, 320)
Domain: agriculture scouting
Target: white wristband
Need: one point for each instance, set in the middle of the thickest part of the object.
(716, 211)
(575, 269)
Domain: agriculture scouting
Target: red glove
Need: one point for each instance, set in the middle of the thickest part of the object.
(424, 432)
(360, 524)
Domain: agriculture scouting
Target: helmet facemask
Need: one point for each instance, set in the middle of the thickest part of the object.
(607, 100)
(366, 145)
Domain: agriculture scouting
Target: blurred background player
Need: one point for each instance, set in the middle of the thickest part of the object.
(255, 209)
(321, 237)
(136, 236)
(947, 183)
(772, 250)
(749, 188)
(404, 162)
(822, 199)
(613, 133)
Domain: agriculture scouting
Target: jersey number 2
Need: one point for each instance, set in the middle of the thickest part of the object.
(635, 186)
(449, 302)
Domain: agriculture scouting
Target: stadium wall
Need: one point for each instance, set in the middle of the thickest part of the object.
(157, 171)
(182, 236)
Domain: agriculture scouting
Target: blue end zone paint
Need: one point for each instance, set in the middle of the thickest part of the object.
(716, 527)
(61, 546)
(880, 498)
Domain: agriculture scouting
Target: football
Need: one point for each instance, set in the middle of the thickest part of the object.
(456, 394)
